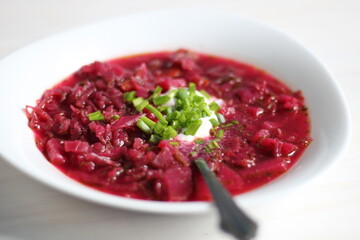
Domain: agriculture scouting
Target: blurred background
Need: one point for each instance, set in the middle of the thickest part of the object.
(328, 208)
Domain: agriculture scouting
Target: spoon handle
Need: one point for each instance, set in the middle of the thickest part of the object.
(233, 220)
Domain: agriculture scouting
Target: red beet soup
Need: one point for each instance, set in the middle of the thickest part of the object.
(133, 126)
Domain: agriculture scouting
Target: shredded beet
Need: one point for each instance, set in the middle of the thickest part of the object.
(268, 131)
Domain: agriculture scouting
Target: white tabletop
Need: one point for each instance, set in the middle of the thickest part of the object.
(328, 208)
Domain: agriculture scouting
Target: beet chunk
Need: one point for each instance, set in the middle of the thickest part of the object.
(230, 179)
(55, 151)
(164, 159)
(76, 146)
(177, 184)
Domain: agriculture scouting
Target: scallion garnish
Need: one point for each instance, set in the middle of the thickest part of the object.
(184, 116)
(214, 106)
(214, 122)
(193, 127)
(157, 114)
(220, 117)
(213, 145)
(96, 116)
(230, 123)
(148, 121)
(205, 94)
(159, 128)
(143, 126)
(199, 141)
(192, 89)
(116, 117)
(219, 133)
(174, 143)
(129, 96)
(161, 100)
(154, 139)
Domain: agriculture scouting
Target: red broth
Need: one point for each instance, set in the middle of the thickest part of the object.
(267, 127)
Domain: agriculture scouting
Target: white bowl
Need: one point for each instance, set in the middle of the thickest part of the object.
(25, 74)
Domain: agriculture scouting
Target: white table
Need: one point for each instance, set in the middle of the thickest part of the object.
(328, 208)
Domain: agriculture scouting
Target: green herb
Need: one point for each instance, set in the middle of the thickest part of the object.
(96, 116)
(213, 145)
(214, 106)
(169, 133)
(192, 89)
(116, 117)
(205, 94)
(193, 153)
(219, 133)
(157, 90)
(129, 96)
(220, 118)
(174, 143)
(214, 122)
(142, 105)
(161, 100)
(137, 101)
(193, 127)
(199, 141)
(230, 123)
(143, 126)
(157, 114)
(185, 116)
(148, 121)
(154, 139)
(159, 128)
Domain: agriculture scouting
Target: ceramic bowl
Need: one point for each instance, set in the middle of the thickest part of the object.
(26, 73)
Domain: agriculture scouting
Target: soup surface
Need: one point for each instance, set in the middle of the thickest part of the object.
(133, 126)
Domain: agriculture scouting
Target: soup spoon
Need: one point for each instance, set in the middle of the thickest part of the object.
(233, 220)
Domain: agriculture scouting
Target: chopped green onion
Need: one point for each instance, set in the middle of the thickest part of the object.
(142, 105)
(157, 114)
(206, 109)
(161, 100)
(220, 117)
(205, 94)
(193, 127)
(174, 143)
(159, 128)
(137, 101)
(143, 126)
(193, 153)
(148, 121)
(157, 90)
(175, 124)
(182, 94)
(207, 150)
(116, 117)
(96, 116)
(174, 115)
(154, 139)
(197, 99)
(172, 93)
(192, 89)
(219, 133)
(199, 141)
(168, 111)
(231, 123)
(214, 106)
(182, 119)
(213, 145)
(214, 122)
(129, 96)
(169, 133)
(162, 108)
